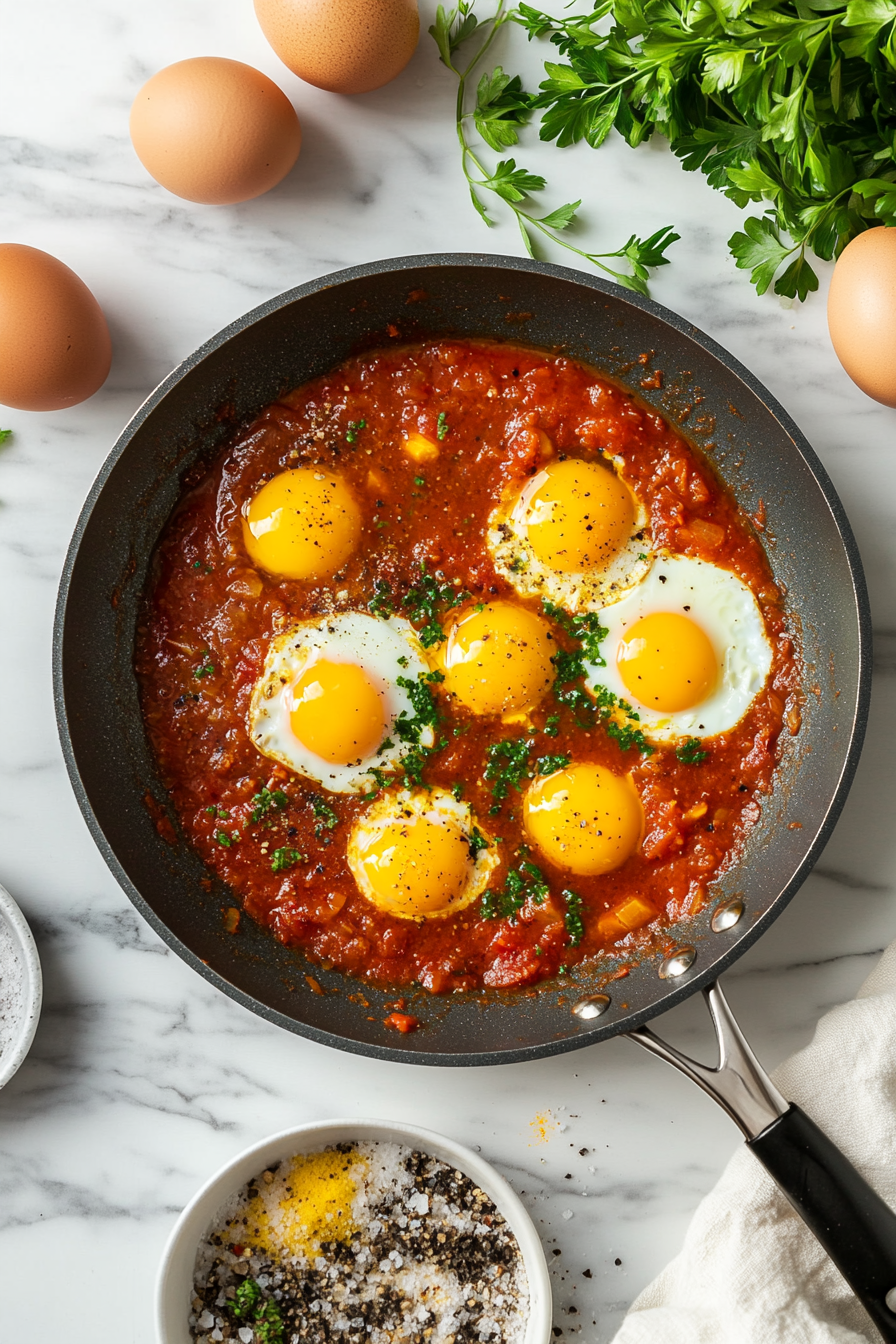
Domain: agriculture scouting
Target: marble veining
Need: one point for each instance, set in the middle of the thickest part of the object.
(143, 1079)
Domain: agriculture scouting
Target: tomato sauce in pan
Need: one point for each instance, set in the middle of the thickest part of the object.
(495, 414)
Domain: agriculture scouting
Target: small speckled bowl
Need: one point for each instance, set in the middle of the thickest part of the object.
(175, 1281)
(26, 1010)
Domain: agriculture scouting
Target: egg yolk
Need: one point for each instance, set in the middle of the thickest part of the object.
(336, 711)
(499, 659)
(416, 866)
(667, 662)
(577, 515)
(585, 818)
(303, 524)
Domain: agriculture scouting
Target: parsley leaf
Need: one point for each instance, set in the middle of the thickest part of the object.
(760, 251)
(5, 434)
(452, 28)
(354, 429)
(502, 106)
(206, 668)
(690, 752)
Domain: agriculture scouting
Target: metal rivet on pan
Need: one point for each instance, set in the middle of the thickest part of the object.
(591, 1006)
(726, 915)
(678, 963)
(890, 1299)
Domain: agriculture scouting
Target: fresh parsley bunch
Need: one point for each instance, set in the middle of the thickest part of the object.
(501, 108)
(786, 104)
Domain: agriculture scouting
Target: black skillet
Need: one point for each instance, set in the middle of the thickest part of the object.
(758, 452)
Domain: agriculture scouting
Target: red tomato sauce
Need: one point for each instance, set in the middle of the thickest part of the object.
(209, 616)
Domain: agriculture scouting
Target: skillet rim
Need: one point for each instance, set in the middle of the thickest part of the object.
(675, 992)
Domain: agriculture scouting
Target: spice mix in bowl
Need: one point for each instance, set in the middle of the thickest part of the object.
(355, 1231)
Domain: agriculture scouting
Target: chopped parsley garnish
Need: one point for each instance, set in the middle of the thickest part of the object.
(228, 841)
(426, 599)
(522, 884)
(245, 1300)
(691, 752)
(269, 1324)
(547, 765)
(5, 434)
(478, 842)
(419, 480)
(265, 801)
(381, 602)
(585, 629)
(284, 859)
(325, 817)
(426, 713)
(442, 427)
(408, 728)
(205, 668)
(623, 734)
(551, 725)
(354, 429)
(215, 811)
(410, 767)
(508, 766)
(457, 789)
(572, 920)
(601, 705)
(264, 1314)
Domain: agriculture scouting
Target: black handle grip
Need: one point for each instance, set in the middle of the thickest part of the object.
(853, 1224)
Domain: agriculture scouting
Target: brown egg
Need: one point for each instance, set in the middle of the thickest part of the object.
(346, 46)
(862, 312)
(54, 343)
(215, 131)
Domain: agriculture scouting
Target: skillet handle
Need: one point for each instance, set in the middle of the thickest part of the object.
(852, 1222)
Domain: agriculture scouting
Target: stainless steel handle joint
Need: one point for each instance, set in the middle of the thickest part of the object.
(738, 1083)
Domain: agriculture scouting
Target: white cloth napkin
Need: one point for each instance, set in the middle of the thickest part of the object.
(750, 1272)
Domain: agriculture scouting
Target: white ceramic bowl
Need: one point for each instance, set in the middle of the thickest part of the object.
(175, 1281)
(29, 1000)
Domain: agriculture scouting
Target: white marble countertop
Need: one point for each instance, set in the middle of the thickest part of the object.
(143, 1079)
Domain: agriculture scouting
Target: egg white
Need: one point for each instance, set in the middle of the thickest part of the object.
(726, 610)
(515, 560)
(385, 649)
(434, 804)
